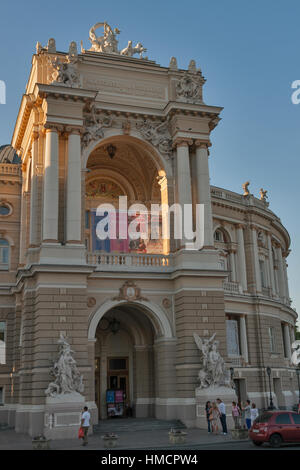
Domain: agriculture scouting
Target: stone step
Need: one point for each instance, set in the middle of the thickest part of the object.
(135, 424)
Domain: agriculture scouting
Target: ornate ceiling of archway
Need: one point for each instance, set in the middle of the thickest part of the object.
(130, 172)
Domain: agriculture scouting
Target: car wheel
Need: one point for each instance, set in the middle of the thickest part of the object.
(257, 443)
(275, 440)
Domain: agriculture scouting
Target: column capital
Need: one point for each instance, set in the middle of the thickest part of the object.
(202, 143)
(240, 226)
(52, 127)
(182, 142)
(35, 135)
(254, 227)
(73, 130)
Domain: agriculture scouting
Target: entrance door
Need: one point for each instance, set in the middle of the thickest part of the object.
(118, 375)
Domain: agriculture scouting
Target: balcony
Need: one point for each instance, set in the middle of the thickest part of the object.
(130, 262)
(232, 287)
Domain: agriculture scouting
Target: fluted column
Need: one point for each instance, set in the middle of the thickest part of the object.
(50, 207)
(33, 193)
(281, 279)
(183, 177)
(242, 270)
(73, 198)
(271, 265)
(203, 189)
(287, 340)
(243, 333)
(255, 258)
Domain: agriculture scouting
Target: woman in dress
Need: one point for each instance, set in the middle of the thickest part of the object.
(214, 417)
(236, 413)
(254, 413)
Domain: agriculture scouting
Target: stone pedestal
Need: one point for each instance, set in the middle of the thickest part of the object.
(63, 416)
(226, 394)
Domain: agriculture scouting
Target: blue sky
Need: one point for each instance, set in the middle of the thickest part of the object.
(248, 52)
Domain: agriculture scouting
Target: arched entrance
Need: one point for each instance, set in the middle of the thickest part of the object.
(128, 361)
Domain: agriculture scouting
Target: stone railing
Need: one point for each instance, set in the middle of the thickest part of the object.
(10, 169)
(231, 287)
(130, 261)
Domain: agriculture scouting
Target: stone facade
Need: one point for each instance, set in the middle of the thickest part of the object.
(55, 281)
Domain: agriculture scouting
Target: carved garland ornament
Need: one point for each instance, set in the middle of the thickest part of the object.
(158, 135)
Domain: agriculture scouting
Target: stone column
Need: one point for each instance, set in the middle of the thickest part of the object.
(255, 258)
(242, 270)
(271, 265)
(33, 193)
(281, 279)
(287, 293)
(50, 208)
(232, 265)
(73, 198)
(183, 178)
(287, 340)
(243, 333)
(203, 189)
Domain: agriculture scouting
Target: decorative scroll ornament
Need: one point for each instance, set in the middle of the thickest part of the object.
(108, 43)
(213, 372)
(158, 135)
(129, 291)
(67, 376)
(66, 71)
(189, 87)
(94, 126)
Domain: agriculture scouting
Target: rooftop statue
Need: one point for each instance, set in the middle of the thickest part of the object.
(108, 43)
(263, 194)
(245, 187)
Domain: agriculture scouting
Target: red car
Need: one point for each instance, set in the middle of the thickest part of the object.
(275, 427)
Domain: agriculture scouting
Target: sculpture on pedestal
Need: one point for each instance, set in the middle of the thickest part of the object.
(213, 372)
(67, 377)
(108, 43)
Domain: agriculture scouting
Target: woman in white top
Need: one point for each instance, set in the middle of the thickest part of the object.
(254, 413)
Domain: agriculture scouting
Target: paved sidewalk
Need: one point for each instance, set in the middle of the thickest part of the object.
(155, 440)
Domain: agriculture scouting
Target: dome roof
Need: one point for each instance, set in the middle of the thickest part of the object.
(8, 154)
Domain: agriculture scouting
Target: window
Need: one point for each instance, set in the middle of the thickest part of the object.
(1, 396)
(4, 209)
(283, 418)
(232, 331)
(2, 342)
(87, 219)
(296, 418)
(118, 364)
(262, 273)
(272, 339)
(4, 254)
(218, 236)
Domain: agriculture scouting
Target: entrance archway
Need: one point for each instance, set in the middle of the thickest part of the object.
(127, 359)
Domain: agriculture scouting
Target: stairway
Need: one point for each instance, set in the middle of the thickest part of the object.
(136, 424)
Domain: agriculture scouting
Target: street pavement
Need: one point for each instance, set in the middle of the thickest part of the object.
(197, 439)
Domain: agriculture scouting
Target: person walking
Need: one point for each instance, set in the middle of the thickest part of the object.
(254, 413)
(214, 416)
(85, 423)
(247, 410)
(222, 410)
(207, 411)
(236, 413)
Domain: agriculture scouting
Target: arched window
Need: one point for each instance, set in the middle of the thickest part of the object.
(4, 255)
(218, 236)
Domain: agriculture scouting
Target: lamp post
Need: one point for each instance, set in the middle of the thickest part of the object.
(271, 405)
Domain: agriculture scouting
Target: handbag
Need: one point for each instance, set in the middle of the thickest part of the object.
(80, 433)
